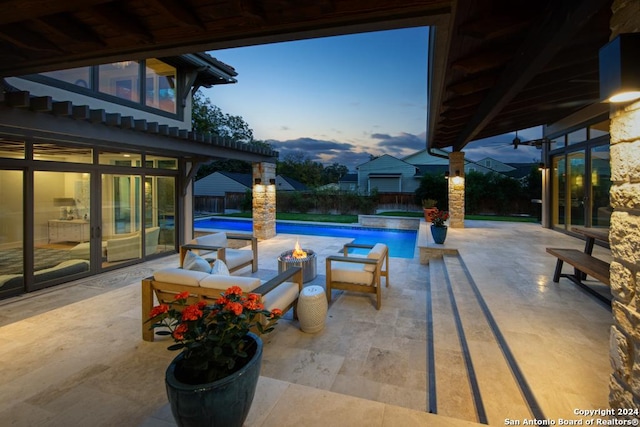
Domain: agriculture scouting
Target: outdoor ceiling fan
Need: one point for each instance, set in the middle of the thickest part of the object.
(534, 142)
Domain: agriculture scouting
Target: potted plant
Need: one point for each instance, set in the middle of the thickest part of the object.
(213, 380)
(429, 207)
(438, 226)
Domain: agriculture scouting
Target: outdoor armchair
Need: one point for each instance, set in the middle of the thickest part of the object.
(216, 246)
(357, 273)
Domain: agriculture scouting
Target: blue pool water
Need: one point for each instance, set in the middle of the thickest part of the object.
(401, 243)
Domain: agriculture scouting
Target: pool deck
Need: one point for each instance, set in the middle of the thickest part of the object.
(434, 355)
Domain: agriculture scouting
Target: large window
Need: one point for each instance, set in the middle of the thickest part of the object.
(76, 76)
(11, 232)
(121, 79)
(160, 85)
(600, 186)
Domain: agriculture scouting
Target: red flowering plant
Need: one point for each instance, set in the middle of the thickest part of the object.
(212, 337)
(439, 217)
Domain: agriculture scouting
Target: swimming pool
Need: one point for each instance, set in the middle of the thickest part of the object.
(401, 243)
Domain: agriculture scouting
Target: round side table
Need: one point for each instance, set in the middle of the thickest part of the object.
(312, 309)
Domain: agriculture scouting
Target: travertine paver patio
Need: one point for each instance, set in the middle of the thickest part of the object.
(73, 355)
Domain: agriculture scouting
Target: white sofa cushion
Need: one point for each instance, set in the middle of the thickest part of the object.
(375, 253)
(180, 276)
(281, 296)
(236, 257)
(218, 281)
(195, 263)
(350, 272)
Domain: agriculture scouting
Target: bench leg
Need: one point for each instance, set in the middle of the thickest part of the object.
(558, 272)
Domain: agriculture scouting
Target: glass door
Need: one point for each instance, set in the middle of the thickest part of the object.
(558, 194)
(600, 186)
(12, 220)
(61, 226)
(576, 188)
(121, 218)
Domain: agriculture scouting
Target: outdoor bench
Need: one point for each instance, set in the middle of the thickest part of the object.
(582, 263)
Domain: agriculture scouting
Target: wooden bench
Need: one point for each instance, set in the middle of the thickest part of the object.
(581, 262)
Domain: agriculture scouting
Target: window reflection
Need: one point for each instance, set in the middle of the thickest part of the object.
(160, 85)
(77, 76)
(120, 79)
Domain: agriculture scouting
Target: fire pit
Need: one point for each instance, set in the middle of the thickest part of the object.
(303, 258)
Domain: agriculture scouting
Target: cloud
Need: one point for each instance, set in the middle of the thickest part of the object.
(323, 151)
(403, 144)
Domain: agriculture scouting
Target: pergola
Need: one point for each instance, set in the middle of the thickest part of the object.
(496, 66)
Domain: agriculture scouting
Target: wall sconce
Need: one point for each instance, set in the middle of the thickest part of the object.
(457, 180)
(272, 181)
(446, 175)
(541, 166)
(257, 181)
(620, 69)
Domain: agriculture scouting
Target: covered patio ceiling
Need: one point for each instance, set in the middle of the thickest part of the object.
(497, 65)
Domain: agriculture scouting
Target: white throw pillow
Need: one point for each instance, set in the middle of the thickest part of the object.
(195, 263)
(220, 268)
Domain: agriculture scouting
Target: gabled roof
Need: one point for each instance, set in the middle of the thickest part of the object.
(293, 183)
(350, 177)
(242, 178)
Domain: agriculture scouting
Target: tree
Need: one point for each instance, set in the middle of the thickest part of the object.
(208, 118)
(300, 167)
(333, 173)
(433, 186)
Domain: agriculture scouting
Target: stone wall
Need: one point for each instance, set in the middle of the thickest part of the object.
(624, 389)
(264, 201)
(456, 189)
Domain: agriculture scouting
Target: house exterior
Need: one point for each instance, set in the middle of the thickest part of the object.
(96, 165)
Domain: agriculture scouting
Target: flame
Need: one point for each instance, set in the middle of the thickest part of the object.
(298, 252)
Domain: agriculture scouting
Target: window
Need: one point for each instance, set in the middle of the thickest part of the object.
(76, 76)
(120, 79)
(160, 86)
(577, 136)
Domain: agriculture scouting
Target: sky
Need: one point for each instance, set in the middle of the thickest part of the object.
(342, 99)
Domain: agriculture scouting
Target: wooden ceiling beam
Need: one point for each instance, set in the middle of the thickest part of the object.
(113, 16)
(482, 61)
(542, 44)
(68, 28)
(493, 27)
(23, 10)
(180, 12)
(24, 38)
(472, 85)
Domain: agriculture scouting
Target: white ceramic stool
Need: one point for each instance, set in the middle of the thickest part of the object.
(312, 309)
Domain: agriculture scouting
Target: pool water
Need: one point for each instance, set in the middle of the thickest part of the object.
(401, 243)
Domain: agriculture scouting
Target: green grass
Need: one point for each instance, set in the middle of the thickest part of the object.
(352, 219)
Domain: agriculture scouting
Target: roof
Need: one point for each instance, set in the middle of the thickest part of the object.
(350, 177)
(297, 185)
(243, 178)
(497, 65)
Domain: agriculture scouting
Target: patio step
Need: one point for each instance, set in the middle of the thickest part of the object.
(474, 371)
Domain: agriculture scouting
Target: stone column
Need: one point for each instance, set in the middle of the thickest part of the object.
(264, 201)
(456, 189)
(624, 341)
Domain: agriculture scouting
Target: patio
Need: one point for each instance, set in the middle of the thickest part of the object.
(483, 337)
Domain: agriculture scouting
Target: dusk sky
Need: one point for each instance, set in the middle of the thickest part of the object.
(341, 99)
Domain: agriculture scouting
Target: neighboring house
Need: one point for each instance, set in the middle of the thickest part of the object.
(96, 165)
(391, 175)
(349, 182)
(285, 183)
(221, 183)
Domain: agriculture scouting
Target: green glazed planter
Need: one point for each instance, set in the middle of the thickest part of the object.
(439, 234)
(223, 403)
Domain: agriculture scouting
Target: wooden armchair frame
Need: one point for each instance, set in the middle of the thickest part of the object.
(221, 252)
(165, 294)
(381, 270)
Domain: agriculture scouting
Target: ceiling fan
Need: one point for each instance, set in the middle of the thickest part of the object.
(534, 142)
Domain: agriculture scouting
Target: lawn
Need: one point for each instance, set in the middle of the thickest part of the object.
(353, 219)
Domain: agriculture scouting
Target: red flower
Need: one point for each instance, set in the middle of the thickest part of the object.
(158, 310)
(182, 295)
(253, 297)
(201, 304)
(276, 312)
(192, 312)
(234, 307)
(253, 305)
(221, 300)
(234, 290)
(178, 333)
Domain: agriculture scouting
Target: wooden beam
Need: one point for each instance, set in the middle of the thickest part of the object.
(120, 20)
(24, 38)
(66, 27)
(542, 44)
(180, 12)
(22, 10)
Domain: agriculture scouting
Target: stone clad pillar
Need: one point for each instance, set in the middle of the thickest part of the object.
(456, 189)
(624, 340)
(264, 200)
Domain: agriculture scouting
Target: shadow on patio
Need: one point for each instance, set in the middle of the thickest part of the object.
(480, 337)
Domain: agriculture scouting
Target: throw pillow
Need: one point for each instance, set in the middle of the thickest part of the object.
(220, 268)
(195, 263)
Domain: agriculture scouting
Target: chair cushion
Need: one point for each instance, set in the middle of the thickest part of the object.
(180, 276)
(217, 281)
(219, 267)
(195, 263)
(283, 295)
(236, 257)
(349, 272)
(375, 253)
